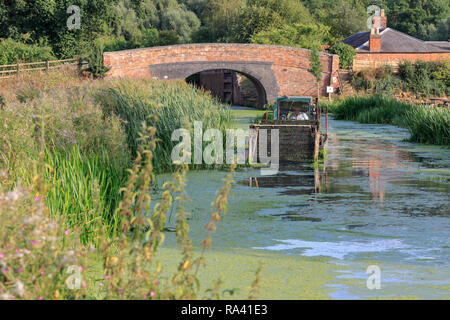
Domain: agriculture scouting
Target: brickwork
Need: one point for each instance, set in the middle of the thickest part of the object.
(374, 60)
(279, 70)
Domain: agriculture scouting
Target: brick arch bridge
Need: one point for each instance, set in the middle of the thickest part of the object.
(277, 70)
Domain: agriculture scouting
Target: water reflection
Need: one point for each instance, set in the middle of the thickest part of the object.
(298, 179)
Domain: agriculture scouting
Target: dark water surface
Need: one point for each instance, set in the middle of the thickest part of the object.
(378, 200)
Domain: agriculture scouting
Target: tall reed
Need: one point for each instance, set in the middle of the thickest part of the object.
(173, 105)
(425, 124)
(70, 177)
(429, 125)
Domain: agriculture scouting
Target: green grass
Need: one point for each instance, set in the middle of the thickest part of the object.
(173, 105)
(429, 125)
(80, 186)
(425, 124)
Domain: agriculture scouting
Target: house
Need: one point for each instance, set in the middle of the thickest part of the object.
(382, 45)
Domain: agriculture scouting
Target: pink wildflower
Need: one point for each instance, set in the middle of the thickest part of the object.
(2, 255)
(152, 294)
(156, 282)
(35, 243)
(66, 232)
(37, 199)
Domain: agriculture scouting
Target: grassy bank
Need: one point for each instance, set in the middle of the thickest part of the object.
(85, 133)
(166, 106)
(77, 163)
(425, 124)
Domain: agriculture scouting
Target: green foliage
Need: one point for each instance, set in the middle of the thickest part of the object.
(174, 105)
(422, 78)
(429, 125)
(315, 65)
(409, 15)
(46, 21)
(61, 177)
(96, 67)
(261, 15)
(316, 68)
(12, 51)
(426, 78)
(296, 35)
(344, 17)
(377, 81)
(168, 37)
(76, 173)
(425, 124)
(219, 18)
(346, 54)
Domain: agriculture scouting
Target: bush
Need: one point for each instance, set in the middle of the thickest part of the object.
(377, 81)
(96, 67)
(13, 52)
(425, 78)
(346, 54)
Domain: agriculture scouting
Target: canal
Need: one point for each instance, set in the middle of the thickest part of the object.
(378, 200)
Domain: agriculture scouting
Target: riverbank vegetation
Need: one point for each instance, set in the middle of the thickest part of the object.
(425, 124)
(75, 183)
(419, 79)
(84, 131)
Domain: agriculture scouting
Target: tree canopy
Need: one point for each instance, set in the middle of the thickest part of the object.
(124, 24)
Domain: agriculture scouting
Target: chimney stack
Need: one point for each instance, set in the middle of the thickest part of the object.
(380, 22)
(375, 40)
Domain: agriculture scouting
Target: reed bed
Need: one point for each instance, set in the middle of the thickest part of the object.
(167, 106)
(87, 132)
(426, 124)
(77, 163)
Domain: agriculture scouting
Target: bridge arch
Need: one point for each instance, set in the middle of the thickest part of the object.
(279, 70)
(260, 84)
(259, 72)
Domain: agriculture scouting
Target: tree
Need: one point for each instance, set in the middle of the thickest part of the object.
(297, 35)
(96, 67)
(408, 15)
(316, 68)
(261, 15)
(219, 19)
(45, 21)
(345, 52)
(344, 17)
